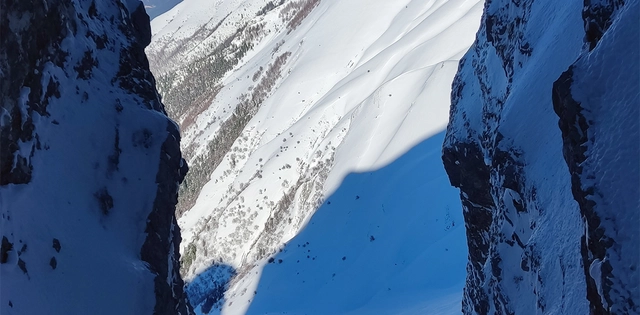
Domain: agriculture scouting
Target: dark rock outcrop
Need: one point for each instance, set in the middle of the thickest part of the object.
(163, 233)
(4, 250)
(598, 16)
(472, 177)
(22, 60)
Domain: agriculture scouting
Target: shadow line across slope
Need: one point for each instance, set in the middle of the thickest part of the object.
(389, 241)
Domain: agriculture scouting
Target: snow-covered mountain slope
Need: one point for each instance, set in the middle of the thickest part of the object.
(89, 164)
(193, 29)
(543, 142)
(278, 102)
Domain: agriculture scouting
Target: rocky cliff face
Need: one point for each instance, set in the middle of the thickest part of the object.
(543, 143)
(89, 164)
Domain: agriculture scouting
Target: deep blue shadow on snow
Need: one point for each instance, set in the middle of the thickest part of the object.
(207, 289)
(386, 242)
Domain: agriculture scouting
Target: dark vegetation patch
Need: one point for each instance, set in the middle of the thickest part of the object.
(293, 13)
(230, 130)
(269, 6)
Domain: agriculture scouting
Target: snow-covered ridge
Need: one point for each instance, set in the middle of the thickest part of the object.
(274, 121)
(89, 164)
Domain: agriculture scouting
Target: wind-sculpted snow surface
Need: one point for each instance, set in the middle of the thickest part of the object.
(543, 144)
(278, 104)
(89, 164)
